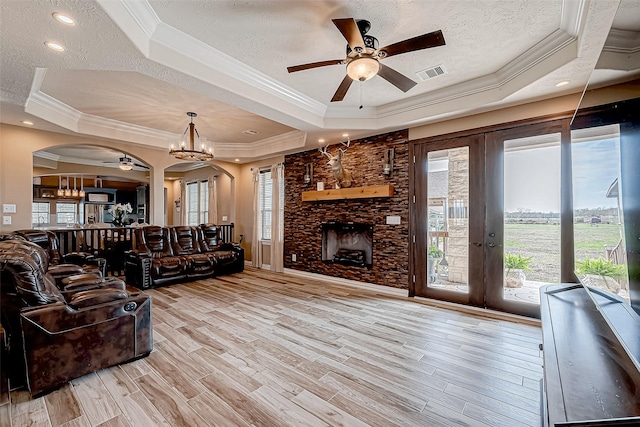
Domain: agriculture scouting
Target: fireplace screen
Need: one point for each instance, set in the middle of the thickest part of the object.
(347, 243)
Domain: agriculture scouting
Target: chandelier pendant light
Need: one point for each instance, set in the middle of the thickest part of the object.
(201, 152)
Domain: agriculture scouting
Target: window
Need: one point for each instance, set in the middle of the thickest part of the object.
(265, 185)
(197, 202)
(40, 213)
(65, 213)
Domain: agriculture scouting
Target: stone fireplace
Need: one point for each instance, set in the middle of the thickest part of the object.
(348, 243)
(388, 262)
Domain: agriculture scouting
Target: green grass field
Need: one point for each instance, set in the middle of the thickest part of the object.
(541, 242)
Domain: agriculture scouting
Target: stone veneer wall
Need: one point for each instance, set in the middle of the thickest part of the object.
(302, 221)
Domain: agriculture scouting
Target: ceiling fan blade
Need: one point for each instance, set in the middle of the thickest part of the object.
(400, 81)
(350, 31)
(314, 65)
(424, 41)
(342, 89)
(141, 166)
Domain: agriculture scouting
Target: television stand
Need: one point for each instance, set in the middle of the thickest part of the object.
(589, 377)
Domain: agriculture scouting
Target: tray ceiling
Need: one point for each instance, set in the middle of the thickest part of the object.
(132, 69)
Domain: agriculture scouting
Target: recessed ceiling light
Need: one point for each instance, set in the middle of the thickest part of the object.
(344, 135)
(321, 141)
(237, 160)
(250, 132)
(27, 122)
(64, 19)
(564, 83)
(54, 46)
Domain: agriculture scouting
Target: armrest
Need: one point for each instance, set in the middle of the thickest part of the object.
(96, 296)
(135, 254)
(86, 277)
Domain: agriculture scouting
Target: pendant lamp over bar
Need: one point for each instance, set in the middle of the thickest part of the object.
(196, 150)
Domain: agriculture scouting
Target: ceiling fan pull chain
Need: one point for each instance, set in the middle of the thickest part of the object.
(360, 84)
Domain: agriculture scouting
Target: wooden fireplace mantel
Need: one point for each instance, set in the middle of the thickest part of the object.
(348, 193)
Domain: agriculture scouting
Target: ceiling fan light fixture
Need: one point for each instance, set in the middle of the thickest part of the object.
(126, 164)
(363, 68)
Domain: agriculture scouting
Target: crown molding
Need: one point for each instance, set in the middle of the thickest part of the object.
(174, 48)
(55, 111)
(46, 155)
(571, 19)
(268, 146)
(622, 41)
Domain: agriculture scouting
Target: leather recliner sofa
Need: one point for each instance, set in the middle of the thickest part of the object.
(62, 265)
(56, 336)
(167, 255)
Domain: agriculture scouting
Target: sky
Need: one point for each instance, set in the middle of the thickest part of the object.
(532, 177)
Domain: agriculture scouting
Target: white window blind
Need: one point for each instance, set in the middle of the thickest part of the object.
(65, 213)
(197, 202)
(40, 213)
(265, 184)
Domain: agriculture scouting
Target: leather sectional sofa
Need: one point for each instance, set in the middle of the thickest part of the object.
(167, 255)
(55, 334)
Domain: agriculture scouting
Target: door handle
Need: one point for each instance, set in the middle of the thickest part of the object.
(492, 245)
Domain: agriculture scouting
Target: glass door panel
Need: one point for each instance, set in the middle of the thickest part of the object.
(448, 224)
(599, 244)
(531, 251)
(524, 209)
(448, 220)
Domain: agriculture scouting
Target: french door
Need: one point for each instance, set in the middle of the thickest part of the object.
(488, 215)
(448, 220)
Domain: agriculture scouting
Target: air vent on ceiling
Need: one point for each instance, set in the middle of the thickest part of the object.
(432, 72)
(250, 132)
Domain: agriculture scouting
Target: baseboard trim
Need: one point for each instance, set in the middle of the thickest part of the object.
(403, 294)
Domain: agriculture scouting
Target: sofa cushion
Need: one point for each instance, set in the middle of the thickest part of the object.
(32, 284)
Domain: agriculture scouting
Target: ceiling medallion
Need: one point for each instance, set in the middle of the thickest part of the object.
(184, 152)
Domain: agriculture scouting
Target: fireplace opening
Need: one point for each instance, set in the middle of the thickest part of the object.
(347, 243)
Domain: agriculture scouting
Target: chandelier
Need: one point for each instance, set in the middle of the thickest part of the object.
(184, 152)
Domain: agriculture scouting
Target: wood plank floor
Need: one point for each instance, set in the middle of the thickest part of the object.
(267, 349)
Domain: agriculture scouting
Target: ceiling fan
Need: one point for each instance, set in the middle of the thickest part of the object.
(363, 55)
(126, 163)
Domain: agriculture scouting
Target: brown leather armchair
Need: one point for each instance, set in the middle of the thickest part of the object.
(228, 257)
(153, 262)
(184, 240)
(58, 336)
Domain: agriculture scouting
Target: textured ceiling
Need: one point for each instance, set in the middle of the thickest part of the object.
(481, 37)
(157, 104)
(132, 69)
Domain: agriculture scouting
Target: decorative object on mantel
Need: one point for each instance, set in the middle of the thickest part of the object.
(389, 156)
(342, 176)
(205, 152)
(308, 173)
(348, 193)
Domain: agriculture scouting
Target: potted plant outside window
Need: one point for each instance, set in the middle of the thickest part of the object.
(601, 273)
(515, 266)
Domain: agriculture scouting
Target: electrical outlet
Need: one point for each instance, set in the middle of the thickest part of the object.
(6, 220)
(293, 257)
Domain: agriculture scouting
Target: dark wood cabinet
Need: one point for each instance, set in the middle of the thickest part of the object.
(591, 372)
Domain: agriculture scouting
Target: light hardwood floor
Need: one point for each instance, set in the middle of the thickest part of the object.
(267, 349)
